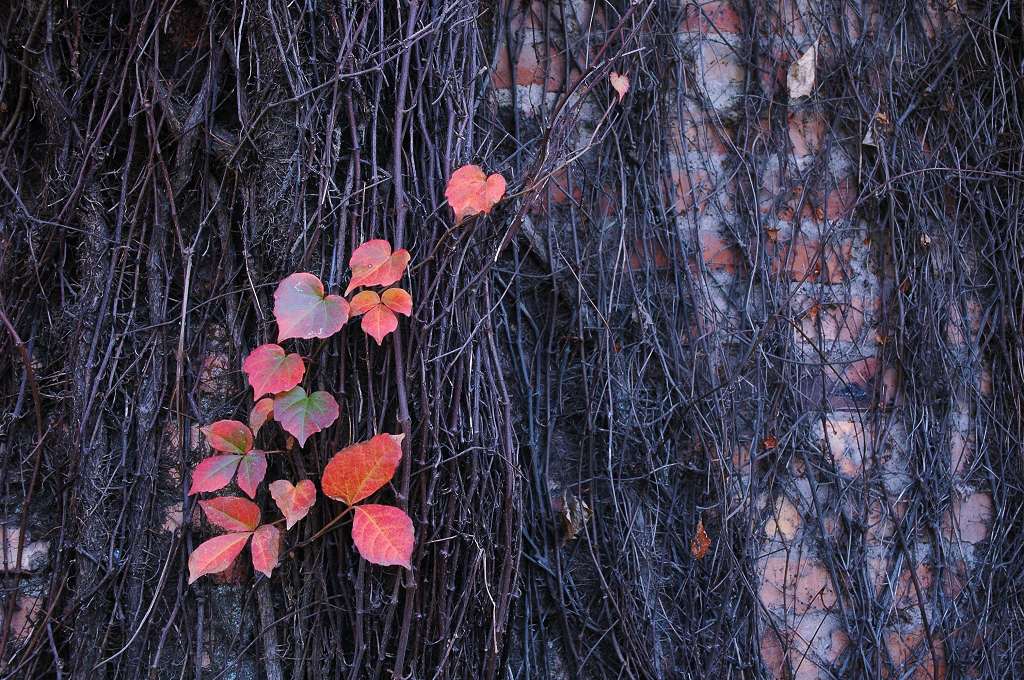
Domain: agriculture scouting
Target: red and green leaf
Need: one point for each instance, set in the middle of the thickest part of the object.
(303, 415)
(251, 471)
(216, 554)
(373, 264)
(231, 513)
(359, 470)
(303, 310)
(229, 436)
(378, 311)
(266, 545)
(270, 370)
(295, 501)
(383, 534)
(260, 414)
(470, 191)
(213, 473)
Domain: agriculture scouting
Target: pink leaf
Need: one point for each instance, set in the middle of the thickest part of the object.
(620, 83)
(383, 535)
(231, 513)
(213, 473)
(294, 502)
(251, 471)
(470, 191)
(373, 264)
(270, 370)
(360, 469)
(216, 554)
(301, 415)
(260, 414)
(229, 436)
(303, 311)
(266, 544)
(379, 311)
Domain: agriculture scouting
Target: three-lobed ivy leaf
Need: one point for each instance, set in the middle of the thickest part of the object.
(470, 191)
(373, 264)
(303, 415)
(359, 470)
(229, 436)
(231, 513)
(303, 310)
(383, 535)
(294, 501)
(270, 370)
(260, 414)
(216, 554)
(378, 311)
(266, 543)
(213, 473)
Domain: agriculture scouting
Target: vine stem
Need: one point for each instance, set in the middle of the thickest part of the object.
(327, 527)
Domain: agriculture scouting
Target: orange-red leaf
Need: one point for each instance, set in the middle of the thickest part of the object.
(470, 191)
(383, 534)
(231, 513)
(260, 414)
(293, 501)
(229, 436)
(251, 471)
(303, 415)
(700, 543)
(358, 470)
(373, 264)
(213, 473)
(270, 370)
(303, 310)
(266, 543)
(216, 554)
(620, 83)
(379, 311)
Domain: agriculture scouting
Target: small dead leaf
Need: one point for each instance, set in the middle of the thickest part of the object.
(801, 74)
(770, 442)
(701, 542)
(620, 83)
(575, 515)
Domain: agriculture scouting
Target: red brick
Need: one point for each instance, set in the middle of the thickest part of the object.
(813, 588)
(803, 258)
(866, 382)
(718, 254)
(778, 575)
(906, 593)
(909, 652)
(838, 322)
(847, 440)
(961, 448)
(773, 651)
(818, 641)
(710, 16)
(691, 189)
(969, 519)
(646, 253)
(537, 61)
(26, 610)
(839, 200)
(806, 133)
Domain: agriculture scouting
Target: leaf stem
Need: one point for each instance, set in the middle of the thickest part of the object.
(327, 527)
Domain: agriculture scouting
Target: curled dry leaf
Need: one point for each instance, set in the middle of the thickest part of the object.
(383, 535)
(229, 436)
(251, 471)
(800, 79)
(295, 501)
(701, 542)
(266, 545)
(470, 191)
(216, 554)
(260, 414)
(373, 264)
(378, 311)
(620, 83)
(213, 473)
(303, 310)
(231, 513)
(359, 470)
(303, 415)
(270, 370)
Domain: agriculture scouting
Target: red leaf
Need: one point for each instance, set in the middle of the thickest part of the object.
(358, 470)
(303, 311)
(266, 544)
(270, 370)
(700, 543)
(260, 414)
(301, 415)
(383, 534)
(620, 83)
(251, 471)
(373, 264)
(216, 554)
(229, 436)
(293, 501)
(213, 473)
(231, 513)
(379, 311)
(470, 191)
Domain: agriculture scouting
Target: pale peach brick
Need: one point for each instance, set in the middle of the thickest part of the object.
(813, 588)
(818, 641)
(27, 610)
(969, 519)
(710, 16)
(847, 441)
(784, 522)
(718, 254)
(803, 258)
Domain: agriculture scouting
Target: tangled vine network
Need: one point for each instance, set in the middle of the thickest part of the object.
(590, 377)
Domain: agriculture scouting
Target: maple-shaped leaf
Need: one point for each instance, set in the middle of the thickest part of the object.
(303, 310)
(231, 513)
(470, 191)
(383, 534)
(266, 543)
(251, 471)
(293, 501)
(373, 264)
(378, 311)
(260, 414)
(216, 554)
(229, 436)
(358, 470)
(270, 370)
(303, 415)
(213, 473)
(620, 83)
